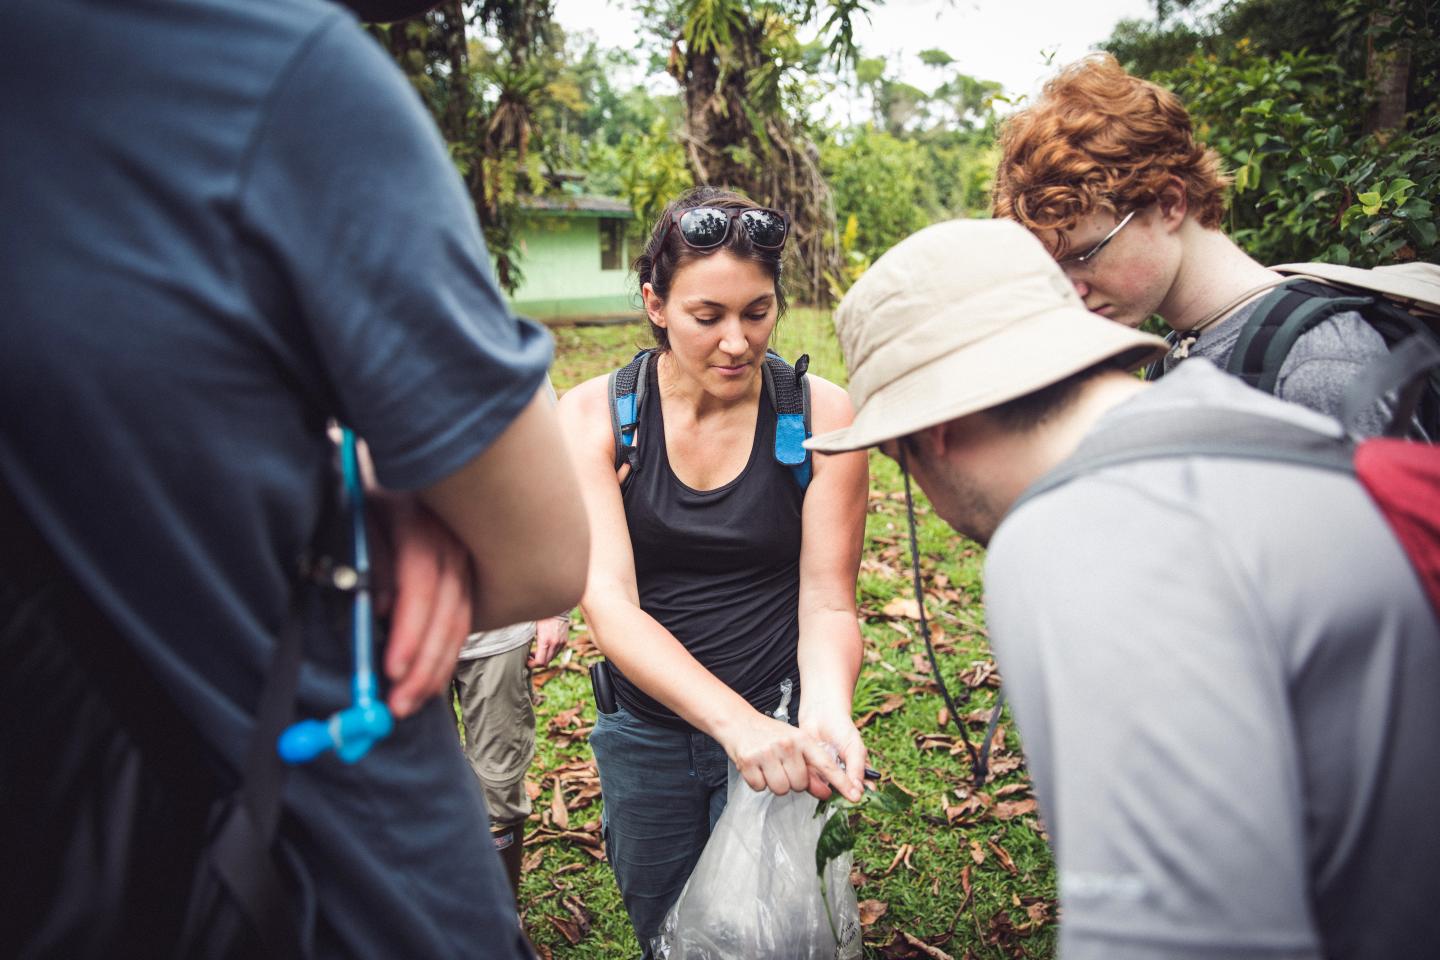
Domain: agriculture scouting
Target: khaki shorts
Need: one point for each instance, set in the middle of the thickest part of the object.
(499, 722)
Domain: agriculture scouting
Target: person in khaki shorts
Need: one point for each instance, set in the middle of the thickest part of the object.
(492, 683)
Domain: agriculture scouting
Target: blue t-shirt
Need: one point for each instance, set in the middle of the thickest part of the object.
(224, 223)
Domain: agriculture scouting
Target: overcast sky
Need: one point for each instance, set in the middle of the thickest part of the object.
(1016, 42)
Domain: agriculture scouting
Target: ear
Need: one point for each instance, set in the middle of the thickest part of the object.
(654, 306)
(931, 442)
(1172, 203)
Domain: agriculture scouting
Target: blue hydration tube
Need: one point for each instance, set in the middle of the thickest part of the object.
(353, 731)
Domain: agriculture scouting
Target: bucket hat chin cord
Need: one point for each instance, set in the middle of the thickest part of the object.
(979, 760)
(350, 732)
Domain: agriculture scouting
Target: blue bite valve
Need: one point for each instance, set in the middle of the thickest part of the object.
(353, 731)
(350, 733)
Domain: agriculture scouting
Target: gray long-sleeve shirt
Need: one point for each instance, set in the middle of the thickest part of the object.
(1320, 367)
(1224, 675)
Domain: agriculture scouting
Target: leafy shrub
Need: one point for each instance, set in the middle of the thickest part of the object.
(1308, 185)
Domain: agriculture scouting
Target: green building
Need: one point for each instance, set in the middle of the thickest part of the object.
(575, 259)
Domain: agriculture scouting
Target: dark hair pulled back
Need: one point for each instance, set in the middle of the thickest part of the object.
(666, 252)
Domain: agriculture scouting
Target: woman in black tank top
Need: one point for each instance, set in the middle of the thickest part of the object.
(721, 592)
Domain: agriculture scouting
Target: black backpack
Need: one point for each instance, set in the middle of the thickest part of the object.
(1399, 301)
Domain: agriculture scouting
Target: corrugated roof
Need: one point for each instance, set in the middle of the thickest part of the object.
(560, 204)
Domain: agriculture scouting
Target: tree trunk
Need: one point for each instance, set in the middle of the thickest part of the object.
(767, 158)
(1388, 70)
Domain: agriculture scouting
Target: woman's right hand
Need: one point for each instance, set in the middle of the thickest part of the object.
(772, 755)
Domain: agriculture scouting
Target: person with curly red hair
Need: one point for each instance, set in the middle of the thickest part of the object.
(1106, 171)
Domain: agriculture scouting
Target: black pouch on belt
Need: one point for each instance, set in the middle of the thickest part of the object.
(603, 686)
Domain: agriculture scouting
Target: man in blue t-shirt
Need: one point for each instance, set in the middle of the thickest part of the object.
(225, 223)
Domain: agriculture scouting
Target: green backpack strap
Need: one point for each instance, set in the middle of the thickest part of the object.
(1285, 315)
(789, 392)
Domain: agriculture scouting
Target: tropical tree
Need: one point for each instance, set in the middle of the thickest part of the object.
(745, 80)
(484, 100)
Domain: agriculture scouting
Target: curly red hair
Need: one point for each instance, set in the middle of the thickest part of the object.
(1099, 138)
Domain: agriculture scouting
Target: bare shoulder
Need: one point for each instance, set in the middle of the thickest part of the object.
(585, 415)
(829, 405)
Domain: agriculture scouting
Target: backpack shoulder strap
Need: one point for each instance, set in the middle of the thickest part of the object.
(1285, 315)
(1230, 434)
(627, 392)
(789, 391)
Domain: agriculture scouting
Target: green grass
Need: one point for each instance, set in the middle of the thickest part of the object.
(1008, 913)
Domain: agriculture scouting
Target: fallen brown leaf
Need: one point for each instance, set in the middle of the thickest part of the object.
(902, 855)
(559, 813)
(1003, 857)
(997, 741)
(1008, 810)
(902, 607)
(977, 852)
(872, 910)
(569, 929)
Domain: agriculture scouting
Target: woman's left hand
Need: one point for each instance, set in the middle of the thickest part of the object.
(834, 727)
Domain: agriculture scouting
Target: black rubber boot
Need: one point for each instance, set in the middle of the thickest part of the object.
(509, 843)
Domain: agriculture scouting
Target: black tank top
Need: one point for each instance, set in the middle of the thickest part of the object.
(719, 569)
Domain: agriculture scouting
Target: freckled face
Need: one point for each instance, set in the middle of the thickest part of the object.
(1131, 276)
(719, 316)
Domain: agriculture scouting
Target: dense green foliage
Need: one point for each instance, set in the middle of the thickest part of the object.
(1308, 186)
(1291, 93)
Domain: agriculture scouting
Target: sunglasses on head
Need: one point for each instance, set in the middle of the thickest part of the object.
(707, 227)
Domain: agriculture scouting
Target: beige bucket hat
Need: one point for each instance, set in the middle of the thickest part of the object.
(960, 317)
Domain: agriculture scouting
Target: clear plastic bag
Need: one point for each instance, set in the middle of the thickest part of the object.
(755, 892)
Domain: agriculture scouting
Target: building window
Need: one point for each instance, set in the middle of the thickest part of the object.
(612, 244)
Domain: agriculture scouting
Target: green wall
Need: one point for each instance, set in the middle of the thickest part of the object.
(560, 261)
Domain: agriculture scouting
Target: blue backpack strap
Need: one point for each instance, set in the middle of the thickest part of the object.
(789, 391)
(627, 392)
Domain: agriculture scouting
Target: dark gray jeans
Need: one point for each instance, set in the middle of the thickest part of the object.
(663, 791)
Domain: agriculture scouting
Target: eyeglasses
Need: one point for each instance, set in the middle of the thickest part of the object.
(707, 227)
(1081, 262)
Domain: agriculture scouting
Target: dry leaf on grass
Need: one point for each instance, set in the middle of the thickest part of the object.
(1003, 857)
(1009, 810)
(872, 910)
(902, 607)
(559, 813)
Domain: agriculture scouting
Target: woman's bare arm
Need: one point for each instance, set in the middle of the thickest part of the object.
(833, 535)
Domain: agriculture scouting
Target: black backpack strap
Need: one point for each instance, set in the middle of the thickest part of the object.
(1230, 434)
(1155, 369)
(238, 867)
(1285, 315)
(789, 392)
(627, 393)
